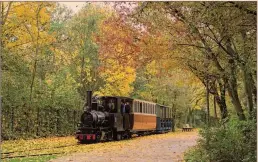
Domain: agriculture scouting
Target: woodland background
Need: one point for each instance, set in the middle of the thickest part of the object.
(197, 57)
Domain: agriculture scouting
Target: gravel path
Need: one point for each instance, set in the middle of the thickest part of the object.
(155, 148)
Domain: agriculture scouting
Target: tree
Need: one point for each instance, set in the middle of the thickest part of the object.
(211, 35)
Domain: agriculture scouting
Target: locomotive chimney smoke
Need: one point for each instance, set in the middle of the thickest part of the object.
(89, 102)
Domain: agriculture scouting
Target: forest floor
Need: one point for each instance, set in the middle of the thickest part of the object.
(167, 147)
(155, 148)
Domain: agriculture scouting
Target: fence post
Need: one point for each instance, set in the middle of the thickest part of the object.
(57, 121)
(37, 121)
(0, 122)
(12, 118)
(74, 113)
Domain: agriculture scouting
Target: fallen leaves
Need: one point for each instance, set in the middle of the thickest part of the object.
(68, 145)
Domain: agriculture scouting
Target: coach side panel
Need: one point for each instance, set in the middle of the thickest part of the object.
(141, 121)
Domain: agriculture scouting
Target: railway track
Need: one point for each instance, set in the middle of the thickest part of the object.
(22, 156)
(8, 155)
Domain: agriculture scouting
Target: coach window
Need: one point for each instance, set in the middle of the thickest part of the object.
(136, 106)
(147, 108)
(168, 113)
(143, 110)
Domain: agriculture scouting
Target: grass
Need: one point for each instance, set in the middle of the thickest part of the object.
(32, 159)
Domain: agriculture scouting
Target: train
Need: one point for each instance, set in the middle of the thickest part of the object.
(108, 118)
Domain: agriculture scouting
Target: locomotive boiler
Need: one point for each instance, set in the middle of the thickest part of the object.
(115, 118)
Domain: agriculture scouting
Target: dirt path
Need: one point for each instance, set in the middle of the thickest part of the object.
(156, 148)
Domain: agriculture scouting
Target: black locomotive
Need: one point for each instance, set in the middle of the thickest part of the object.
(116, 118)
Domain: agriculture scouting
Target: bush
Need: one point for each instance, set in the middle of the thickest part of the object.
(43, 122)
(235, 141)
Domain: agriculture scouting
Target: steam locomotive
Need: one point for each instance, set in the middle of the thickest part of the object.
(109, 118)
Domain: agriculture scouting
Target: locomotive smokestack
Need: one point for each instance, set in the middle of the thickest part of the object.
(89, 101)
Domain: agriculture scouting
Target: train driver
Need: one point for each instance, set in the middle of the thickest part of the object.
(111, 105)
(123, 107)
(127, 107)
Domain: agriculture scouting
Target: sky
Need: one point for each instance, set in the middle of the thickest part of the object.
(75, 6)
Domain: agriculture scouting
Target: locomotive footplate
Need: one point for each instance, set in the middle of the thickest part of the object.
(86, 136)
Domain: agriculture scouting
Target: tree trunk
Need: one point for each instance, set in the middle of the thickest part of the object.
(249, 84)
(82, 90)
(1, 33)
(173, 117)
(208, 102)
(232, 90)
(3, 18)
(215, 109)
(221, 101)
(248, 88)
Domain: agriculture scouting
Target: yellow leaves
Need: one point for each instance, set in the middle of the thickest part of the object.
(49, 81)
(151, 68)
(27, 23)
(118, 79)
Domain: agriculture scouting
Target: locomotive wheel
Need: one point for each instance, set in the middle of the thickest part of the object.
(117, 136)
(98, 136)
(85, 142)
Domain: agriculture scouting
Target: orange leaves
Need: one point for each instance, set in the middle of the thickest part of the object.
(117, 41)
(118, 53)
